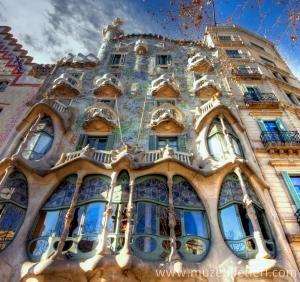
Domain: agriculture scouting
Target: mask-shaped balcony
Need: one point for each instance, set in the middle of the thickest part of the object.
(165, 86)
(101, 118)
(108, 86)
(167, 118)
(141, 48)
(79, 60)
(66, 85)
(205, 87)
(199, 63)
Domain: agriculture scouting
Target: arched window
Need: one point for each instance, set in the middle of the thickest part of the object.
(118, 221)
(235, 224)
(86, 226)
(217, 143)
(13, 205)
(191, 230)
(151, 239)
(41, 140)
(152, 233)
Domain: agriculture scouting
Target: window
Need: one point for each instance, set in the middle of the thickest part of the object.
(291, 98)
(285, 78)
(110, 103)
(41, 140)
(253, 92)
(274, 131)
(197, 76)
(236, 225)
(161, 102)
(172, 142)
(117, 59)
(217, 143)
(97, 142)
(257, 46)
(293, 183)
(268, 61)
(163, 60)
(1, 109)
(86, 224)
(224, 37)
(3, 85)
(13, 205)
(152, 229)
(233, 54)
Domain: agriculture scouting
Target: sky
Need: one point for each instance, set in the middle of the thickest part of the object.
(50, 29)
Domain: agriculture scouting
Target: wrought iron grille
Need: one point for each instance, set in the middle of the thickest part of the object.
(280, 137)
(246, 72)
(250, 98)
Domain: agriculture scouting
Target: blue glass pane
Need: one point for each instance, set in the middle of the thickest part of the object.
(15, 189)
(231, 225)
(146, 218)
(62, 196)
(296, 182)
(155, 189)
(43, 144)
(93, 218)
(11, 218)
(94, 187)
(195, 223)
(50, 222)
(184, 194)
(271, 125)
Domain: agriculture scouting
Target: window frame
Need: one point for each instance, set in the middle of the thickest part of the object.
(168, 63)
(121, 61)
(291, 188)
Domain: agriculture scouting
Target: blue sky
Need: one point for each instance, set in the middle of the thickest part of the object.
(49, 29)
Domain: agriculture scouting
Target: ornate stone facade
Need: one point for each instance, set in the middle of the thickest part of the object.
(158, 160)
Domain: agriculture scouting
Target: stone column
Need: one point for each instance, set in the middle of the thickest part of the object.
(129, 210)
(172, 221)
(7, 172)
(103, 248)
(68, 219)
(28, 137)
(225, 132)
(262, 252)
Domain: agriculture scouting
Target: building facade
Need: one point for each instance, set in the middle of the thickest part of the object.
(157, 160)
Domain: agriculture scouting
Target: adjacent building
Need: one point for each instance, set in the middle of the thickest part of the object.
(157, 160)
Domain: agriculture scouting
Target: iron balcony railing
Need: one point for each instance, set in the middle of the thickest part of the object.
(297, 214)
(250, 98)
(280, 138)
(246, 72)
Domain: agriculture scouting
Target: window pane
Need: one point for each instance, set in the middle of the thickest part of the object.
(113, 219)
(246, 222)
(194, 223)
(170, 141)
(43, 144)
(271, 125)
(236, 146)
(215, 147)
(93, 218)
(230, 221)
(146, 219)
(75, 223)
(49, 224)
(164, 229)
(296, 182)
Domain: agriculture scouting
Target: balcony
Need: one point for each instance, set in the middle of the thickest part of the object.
(66, 85)
(138, 157)
(199, 63)
(167, 118)
(230, 41)
(141, 47)
(205, 87)
(246, 73)
(108, 86)
(165, 86)
(281, 141)
(101, 118)
(261, 100)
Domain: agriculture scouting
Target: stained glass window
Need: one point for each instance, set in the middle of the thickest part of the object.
(13, 205)
(235, 223)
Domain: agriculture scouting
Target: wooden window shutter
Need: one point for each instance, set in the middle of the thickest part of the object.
(81, 141)
(291, 188)
(111, 141)
(182, 140)
(280, 124)
(152, 142)
(261, 125)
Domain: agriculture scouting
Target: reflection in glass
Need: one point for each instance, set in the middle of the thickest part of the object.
(93, 218)
(146, 214)
(194, 223)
